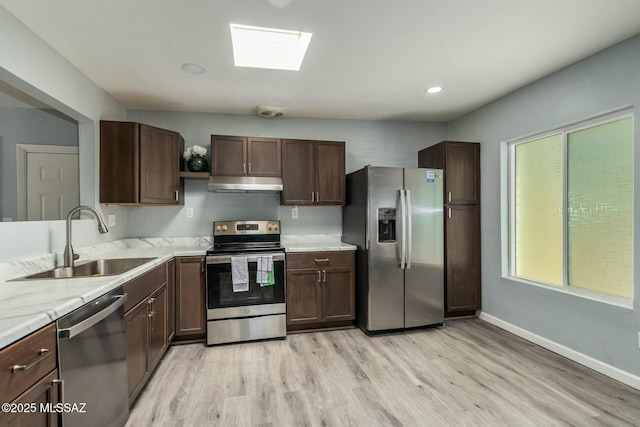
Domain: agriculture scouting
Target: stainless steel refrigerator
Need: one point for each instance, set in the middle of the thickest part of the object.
(394, 217)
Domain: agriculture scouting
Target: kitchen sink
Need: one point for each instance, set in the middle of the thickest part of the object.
(97, 268)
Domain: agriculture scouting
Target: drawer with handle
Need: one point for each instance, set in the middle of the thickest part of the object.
(320, 260)
(137, 289)
(25, 362)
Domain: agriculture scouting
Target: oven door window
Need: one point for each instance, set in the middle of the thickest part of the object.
(220, 292)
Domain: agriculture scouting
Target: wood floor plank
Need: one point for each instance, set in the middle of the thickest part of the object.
(467, 373)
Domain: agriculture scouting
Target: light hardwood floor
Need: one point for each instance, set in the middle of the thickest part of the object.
(468, 373)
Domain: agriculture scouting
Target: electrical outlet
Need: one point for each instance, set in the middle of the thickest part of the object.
(112, 220)
(294, 212)
(189, 212)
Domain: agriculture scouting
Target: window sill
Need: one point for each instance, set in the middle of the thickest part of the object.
(621, 302)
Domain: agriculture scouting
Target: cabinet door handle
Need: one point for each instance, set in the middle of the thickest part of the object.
(249, 168)
(202, 266)
(244, 169)
(448, 196)
(176, 194)
(44, 352)
(313, 197)
(324, 276)
(449, 213)
(317, 197)
(321, 259)
(60, 384)
(319, 278)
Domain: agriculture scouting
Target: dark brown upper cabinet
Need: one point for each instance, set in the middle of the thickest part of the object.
(313, 172)
(140, 164)
(461, 164)
(245, 156)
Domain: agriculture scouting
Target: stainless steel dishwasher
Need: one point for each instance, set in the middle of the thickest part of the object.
(93, 363)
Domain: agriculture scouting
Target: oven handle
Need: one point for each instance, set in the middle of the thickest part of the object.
(226, 259)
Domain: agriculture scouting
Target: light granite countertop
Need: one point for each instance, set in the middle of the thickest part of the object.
(26, 306)
(315, 243)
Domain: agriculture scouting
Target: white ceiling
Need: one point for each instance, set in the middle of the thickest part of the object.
(368, 59)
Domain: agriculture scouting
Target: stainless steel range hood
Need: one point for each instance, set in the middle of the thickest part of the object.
(245, 184)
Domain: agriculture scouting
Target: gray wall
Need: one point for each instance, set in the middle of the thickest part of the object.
(27, 126)
(367, 142)
(604, 82)
(33, 67)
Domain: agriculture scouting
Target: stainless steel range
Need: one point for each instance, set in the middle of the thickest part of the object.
(245, 289)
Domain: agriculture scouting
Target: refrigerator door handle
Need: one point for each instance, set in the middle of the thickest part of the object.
(403, 244)
(409, 228)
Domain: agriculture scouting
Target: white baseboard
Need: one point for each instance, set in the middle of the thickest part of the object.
(589, 362)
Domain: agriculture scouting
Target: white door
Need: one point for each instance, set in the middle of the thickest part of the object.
(50, 187)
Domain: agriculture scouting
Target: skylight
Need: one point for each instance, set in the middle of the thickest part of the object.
(271, 48)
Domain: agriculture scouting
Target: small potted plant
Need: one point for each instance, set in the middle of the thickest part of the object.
(196, 161)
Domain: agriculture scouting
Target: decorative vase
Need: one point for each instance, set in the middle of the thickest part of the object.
(197, 164)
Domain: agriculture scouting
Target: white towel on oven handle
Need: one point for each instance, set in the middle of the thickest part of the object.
(264, 266)
(261, 274)
(239, 274)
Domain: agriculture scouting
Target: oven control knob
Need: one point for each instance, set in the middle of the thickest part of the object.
(224, 228)
(218, 228)
(270, 227)
(275, 227)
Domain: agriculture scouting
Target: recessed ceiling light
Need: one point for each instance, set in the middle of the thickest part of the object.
(433, 90)
(271, 112)
(193, 68)
(272, 48)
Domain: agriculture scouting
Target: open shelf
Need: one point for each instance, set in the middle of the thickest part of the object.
(194, 175)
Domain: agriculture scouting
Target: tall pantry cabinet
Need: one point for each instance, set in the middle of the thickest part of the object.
(460, 162)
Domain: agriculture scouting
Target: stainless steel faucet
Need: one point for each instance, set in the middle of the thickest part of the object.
(69, 256)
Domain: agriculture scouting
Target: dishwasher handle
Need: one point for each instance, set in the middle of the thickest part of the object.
(82, 326)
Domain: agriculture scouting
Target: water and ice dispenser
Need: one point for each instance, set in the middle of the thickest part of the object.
(386, 225)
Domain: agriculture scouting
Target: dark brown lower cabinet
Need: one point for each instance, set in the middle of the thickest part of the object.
(462, 243)
(44, 392)
(171, 300)
(304, 297)
(146, 331)
(28, 376)
(190, 304)
(338, 297)
(320, 289)
(158, 326)
(137, 332)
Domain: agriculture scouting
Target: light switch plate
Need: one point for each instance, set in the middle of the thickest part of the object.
(112, 220)
(294, 212)
(189, 212)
